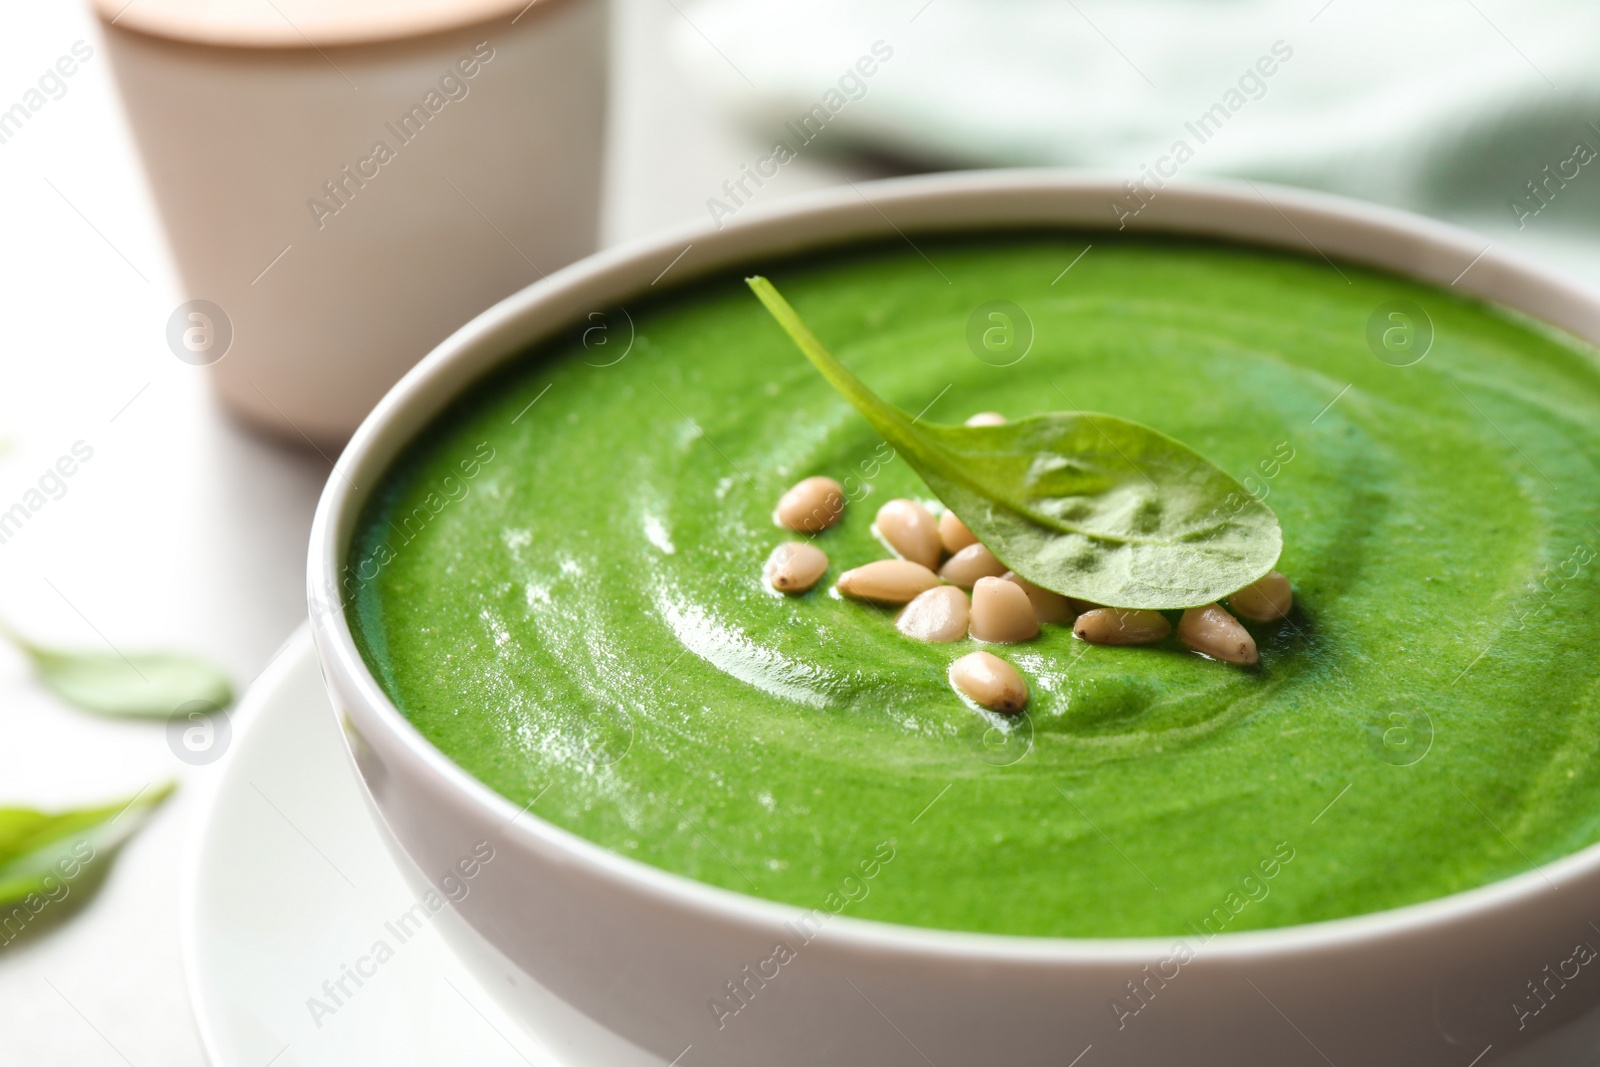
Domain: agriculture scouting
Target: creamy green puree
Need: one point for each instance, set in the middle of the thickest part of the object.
(560, 584)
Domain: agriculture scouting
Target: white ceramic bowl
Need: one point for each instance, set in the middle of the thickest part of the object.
(616, 962)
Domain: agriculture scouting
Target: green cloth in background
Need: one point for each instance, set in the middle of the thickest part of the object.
(1469, 110)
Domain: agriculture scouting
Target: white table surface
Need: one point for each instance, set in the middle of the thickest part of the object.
(183, 531)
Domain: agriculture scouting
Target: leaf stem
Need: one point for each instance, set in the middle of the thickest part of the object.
(23, 645)
(885, 418)
(897, 427)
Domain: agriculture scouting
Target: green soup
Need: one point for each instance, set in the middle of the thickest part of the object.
(560, 584)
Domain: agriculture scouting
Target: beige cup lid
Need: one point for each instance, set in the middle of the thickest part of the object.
(299, 23)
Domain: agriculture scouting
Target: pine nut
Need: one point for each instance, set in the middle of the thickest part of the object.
(811, 506)
(990, 681)
(887, 581)
(1266, 600)
(1212, 631)
(1048, 607)
(1121, 626)
(911, 530)
(954, 533)
(1002, 612)
(938, 615)
(971, 563)
(987, 418)
(795, 567)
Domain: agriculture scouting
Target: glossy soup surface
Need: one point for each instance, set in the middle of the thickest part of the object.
(560, 585)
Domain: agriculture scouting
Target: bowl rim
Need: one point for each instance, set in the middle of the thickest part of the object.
(1431, 250)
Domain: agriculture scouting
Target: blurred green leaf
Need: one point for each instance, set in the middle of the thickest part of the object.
(146, 684)
(42, 851)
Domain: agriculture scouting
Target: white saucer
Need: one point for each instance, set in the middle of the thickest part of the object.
(287, 881)
(288, 884)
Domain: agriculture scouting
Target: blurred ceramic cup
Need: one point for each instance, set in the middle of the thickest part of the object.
(344, 184)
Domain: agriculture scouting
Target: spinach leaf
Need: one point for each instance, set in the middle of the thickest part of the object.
(40, 852)
(1089, 505)
(140, 685)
